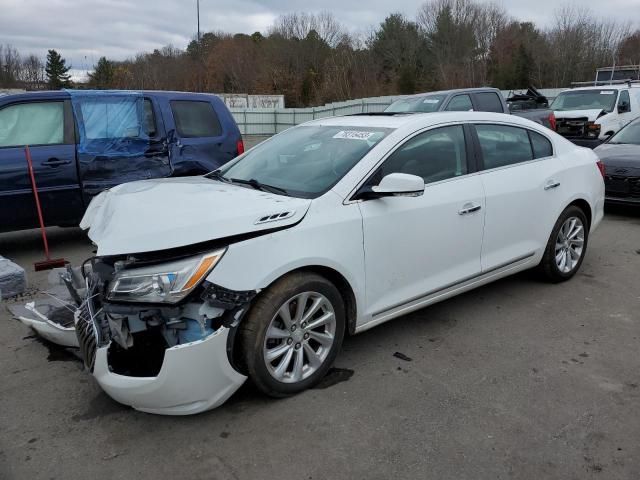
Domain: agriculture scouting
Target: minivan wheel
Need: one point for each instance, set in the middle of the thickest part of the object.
(567, 246)
(292, 334)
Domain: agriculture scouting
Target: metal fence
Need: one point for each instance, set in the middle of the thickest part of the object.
(269, 121)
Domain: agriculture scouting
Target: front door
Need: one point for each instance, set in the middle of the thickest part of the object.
(47, 127)
(415, 246)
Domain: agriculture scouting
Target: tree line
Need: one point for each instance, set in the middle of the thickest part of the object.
(313, 59)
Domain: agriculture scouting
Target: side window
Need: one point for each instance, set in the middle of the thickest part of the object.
(434, 155)
(460, 103)
(195, 119)
(541, 145)
(489, 102)
(150, 126)
(36, 123)
(503, 145)
(624, 98)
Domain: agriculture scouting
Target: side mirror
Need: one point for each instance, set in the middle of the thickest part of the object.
(393, 185)
(624, 107)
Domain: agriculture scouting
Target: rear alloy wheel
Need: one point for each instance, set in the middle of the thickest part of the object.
(293, 333)
(566, 246)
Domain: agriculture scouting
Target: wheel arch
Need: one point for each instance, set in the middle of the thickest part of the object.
(341, 283)
(583, 205)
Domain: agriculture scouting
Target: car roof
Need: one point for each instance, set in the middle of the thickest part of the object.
(600, 87)
(44, 94)
(451, 92)
(418, 120)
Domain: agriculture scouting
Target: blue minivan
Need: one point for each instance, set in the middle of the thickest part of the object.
(84, 142)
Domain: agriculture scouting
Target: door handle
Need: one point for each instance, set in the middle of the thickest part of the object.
(551, 185)
(54, 162)
(469, 208)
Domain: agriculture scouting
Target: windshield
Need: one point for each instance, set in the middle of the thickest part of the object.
(425, 104)
(303, 161)
(585, 100)
(629, 134)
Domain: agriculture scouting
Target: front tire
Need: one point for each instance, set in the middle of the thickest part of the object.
(566, 247)
(293, 333)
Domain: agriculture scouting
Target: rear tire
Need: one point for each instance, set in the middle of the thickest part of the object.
(292, 334)
(566, 247)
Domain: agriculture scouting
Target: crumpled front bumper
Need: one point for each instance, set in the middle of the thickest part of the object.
(194, 377)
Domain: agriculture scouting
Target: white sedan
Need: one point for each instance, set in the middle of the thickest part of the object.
(260, 268)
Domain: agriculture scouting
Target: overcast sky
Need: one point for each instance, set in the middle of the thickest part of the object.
(84, 30)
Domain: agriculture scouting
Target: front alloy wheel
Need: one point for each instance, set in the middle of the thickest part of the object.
(299, 337)
(292, 333)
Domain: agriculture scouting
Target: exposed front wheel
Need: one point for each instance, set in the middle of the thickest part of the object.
(293, 333)
(567, 246)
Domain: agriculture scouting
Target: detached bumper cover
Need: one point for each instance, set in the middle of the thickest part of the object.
(194, 377)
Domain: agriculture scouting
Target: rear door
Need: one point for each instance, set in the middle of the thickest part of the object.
(202, 144)
(47, 127)
(523, 183)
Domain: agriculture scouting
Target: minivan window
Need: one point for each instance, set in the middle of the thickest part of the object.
(489, 102)
(35, 123)
(111, 118)
(304, 161)
(434, 155)
(542, 147)
(195, 119)
(460, 103)
(502, 145)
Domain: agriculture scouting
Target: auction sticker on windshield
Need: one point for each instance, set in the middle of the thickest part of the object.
(354, 135)
(431, 100)
(607, 92)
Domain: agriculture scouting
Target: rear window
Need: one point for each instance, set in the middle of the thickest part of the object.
(541, 145)
(195, 119)
(489, 102)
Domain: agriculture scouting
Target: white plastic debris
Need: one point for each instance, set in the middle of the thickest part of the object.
(13, 279)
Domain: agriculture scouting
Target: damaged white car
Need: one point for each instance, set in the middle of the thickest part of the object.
(260, 268)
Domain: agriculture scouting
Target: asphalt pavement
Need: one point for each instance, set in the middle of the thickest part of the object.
(519, 379)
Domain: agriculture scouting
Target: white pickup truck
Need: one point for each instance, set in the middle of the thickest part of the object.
(588, 116)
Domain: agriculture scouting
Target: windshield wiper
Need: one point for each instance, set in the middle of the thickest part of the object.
(259, 186)
(217, 176)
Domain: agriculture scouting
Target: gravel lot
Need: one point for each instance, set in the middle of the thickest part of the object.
(518, 379)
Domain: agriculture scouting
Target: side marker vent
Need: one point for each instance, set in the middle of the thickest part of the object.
(274, 217)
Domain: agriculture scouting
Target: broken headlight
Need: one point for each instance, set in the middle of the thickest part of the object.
(163, 283)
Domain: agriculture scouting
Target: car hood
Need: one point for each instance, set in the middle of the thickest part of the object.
(592, 115)
(160, 214)
(621, 156)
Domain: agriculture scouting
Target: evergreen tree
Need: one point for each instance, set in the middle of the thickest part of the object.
(57, 71)
(103, 74)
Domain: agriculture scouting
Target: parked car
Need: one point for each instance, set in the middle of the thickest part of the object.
(621, 158)
(338, 225)
(185, 134)
(473, 99)
(590, 115)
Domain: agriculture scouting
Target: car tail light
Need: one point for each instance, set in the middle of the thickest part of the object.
(600, 166)
(240, 147)
(552, 121)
